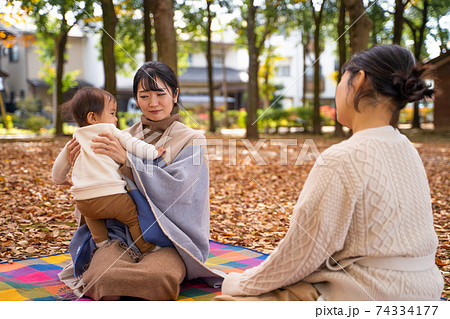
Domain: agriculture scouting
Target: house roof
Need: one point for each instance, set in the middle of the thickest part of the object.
(200, 74)
(10, 30)
(43, 84)
(441, 59)
(38, 83)
(198, 99)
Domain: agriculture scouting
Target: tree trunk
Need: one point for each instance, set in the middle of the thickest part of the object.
(398, 21)
(108, 36)
(316, 111)
(225, 89)
(359, 32)
(342, 44)
(316, 102)
(305, 44)
(212, 124)
(253, 94)
(60, 48)
(422, 29)
(416, 116)
(147, 31)
(3, 112)
(165, 32)
(418, 44)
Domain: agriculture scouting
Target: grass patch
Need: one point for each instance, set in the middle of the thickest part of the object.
(14, 131)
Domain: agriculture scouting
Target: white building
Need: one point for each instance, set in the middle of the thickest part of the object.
(290, 72)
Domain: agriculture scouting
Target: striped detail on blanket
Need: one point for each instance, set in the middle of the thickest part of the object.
(37, 278)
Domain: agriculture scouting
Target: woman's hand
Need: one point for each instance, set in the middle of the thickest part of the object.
(107, 144)
(74, 150)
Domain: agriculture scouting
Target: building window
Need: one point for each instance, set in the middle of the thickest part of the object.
(217, 59)
(284, 71)
(14, 54)
(309, 79)
(189, 59)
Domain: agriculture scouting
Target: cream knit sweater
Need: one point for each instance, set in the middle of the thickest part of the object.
(95, 175)
(371, 198)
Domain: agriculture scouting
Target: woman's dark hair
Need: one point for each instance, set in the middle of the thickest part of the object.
(392, 72)
(147, 74)
(85, 100)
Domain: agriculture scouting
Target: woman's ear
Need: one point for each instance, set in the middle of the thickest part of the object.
(175, 98)
(91, 118)
(359, 80)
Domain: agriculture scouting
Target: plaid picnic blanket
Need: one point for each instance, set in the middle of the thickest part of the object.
(37, 278)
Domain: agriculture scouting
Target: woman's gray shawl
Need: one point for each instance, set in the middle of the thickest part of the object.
(177, 190)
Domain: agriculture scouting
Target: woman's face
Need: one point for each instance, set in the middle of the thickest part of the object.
(156, 105)
(344, 101)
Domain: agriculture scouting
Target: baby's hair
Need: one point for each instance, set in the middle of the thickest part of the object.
(392, 72)
(86, 100)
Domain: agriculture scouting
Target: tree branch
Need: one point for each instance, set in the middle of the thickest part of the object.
(411, 25)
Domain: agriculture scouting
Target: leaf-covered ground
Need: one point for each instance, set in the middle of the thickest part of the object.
(250, 204)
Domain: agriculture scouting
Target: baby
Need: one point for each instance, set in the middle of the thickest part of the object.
(98, 187)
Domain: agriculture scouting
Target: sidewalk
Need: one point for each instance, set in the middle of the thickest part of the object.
(25, 137)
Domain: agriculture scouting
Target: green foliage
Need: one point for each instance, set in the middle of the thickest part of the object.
(27, 107)
(436, 28)
(130, 43)
(127, 119)
(194, 17)
(293, 117)
(270, 18)
(242, 119)
(13, 131)
(382, 30)
(128, 37)
(9, 121)
(123, 123)
(184, 48)
(407, 114)
(35, 123)
(45, 45)
(56, 17)
(45, 48)
(266, 75)
(305, 114)
(189, 118)
(48, 74)
(269, 120)
(237, 118)
(193, 26)
(28, 116)
(67, 129)
(381, 12)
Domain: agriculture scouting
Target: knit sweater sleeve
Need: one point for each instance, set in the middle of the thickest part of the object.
(318, 228)
(61, 167)
(135, 146)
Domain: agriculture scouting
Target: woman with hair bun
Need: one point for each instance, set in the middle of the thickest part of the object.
(362, 228)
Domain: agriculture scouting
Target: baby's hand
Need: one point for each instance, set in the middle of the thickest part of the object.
(161, 151)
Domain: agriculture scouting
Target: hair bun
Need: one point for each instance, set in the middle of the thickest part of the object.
(411, 87)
